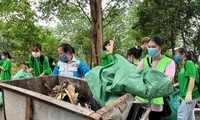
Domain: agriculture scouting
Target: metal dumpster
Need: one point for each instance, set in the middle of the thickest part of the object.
(26, 99)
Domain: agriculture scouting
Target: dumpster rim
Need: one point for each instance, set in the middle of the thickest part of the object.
(48, 100)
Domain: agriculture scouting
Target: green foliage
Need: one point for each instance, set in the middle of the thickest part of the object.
(75, 24)
(18, 30)
(177, 21)
(172, 19)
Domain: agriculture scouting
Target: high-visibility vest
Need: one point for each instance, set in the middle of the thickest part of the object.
(161, 66)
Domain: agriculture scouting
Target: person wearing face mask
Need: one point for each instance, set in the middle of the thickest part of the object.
(68, 65)
(187, 76)
(134, 55)
(161, 63)
(6, 68)
(106, 54)
(40, 69)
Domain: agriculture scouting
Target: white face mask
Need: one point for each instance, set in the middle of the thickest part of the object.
(108, 48)
(130, 59)
(36, 54)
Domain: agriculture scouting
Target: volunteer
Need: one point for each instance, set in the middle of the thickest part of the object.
(187, 76)
(6, 68)
(106, 54)
(143, 45)
(134, 55)
(161, 63)
(38, 62)
(68, 65)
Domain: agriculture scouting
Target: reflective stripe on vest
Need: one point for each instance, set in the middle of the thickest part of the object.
(161, 65)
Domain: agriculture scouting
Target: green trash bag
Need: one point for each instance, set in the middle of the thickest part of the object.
(1, 99)
(174, 104)
(109, 82)
(22, 74)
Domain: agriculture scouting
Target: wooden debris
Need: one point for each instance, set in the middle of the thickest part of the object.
(69, 92)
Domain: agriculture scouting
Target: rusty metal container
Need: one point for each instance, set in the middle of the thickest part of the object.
(26, 99)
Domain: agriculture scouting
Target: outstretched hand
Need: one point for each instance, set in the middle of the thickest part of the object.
(111, 42)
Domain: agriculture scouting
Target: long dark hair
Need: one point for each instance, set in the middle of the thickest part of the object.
(105, 44)
(158, 40)
(136, 52)
(189, 55)
(7, 54)
(67, 47)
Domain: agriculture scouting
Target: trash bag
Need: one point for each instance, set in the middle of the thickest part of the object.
(174, 104)
(22, 74)
(158, 84)
(109, 82)
(1, 99)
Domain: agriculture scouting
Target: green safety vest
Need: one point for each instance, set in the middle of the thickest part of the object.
(162, 64)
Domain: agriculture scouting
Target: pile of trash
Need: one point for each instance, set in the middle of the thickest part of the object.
(70, 92)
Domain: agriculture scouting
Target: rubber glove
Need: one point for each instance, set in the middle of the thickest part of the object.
(188, 97)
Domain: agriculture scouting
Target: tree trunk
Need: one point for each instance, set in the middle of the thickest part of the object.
(96, 35)
(90, 58)
(172, 40)
(183, 37)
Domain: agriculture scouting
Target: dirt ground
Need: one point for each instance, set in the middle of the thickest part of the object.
(197, 115)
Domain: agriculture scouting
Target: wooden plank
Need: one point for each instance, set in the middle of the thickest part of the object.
(85, 90)
(118, 109)
(28, 105)
(114, 103)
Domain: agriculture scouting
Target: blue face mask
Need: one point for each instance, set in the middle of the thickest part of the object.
(153, 52)
(177, 58)
(3, 57)
(63, 58)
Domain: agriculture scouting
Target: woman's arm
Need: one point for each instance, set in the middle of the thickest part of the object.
(188, 97)
(83, 68)
(110, 51)
(31, 65)
(30, 70)
(191, 84)
(46, 67)
(190, 72)
(170, 70)
(43, 74)
(2, 68)
(56, 70)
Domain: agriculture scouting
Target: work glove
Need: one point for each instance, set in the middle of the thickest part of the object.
(188, 97)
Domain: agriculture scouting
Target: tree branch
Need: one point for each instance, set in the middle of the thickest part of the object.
(111, 9)
(106, 7)
(109, 13)
(108, 23)
(79, 6)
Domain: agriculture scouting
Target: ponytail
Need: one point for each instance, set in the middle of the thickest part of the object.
(67, 47)
(191, 56)
(188, 54)
(7, 54)
(136, 52)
